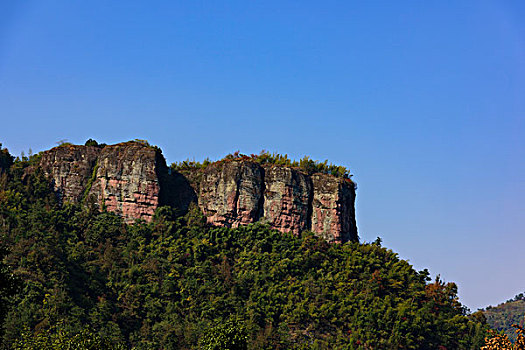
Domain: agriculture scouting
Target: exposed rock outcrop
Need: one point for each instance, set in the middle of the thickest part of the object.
(287, 196)
(333, 213)
(126, 180)
(241, 192)
(230, 193)
(70, 169)
(132, 180)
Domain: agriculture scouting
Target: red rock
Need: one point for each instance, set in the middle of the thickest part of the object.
(230, 193)
(126, 180)
(70, 169)
(333, 213)
(286, 199)
(131, 179)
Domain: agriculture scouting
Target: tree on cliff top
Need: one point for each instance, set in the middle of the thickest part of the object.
(310, 166)
(6, 159)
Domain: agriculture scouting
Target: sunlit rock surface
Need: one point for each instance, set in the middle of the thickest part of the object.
(132, 180)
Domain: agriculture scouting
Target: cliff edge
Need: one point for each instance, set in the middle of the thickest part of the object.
(131, 179)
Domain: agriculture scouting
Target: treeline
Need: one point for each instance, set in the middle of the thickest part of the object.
(306, 164)
(82, 278)
(505, 315)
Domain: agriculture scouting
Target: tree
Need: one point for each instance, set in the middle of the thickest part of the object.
(91, 142)
(229, 335)
(9, 286)
(56, 338)
(6, 159)
(502, 342)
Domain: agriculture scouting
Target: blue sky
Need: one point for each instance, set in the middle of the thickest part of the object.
(423, 101)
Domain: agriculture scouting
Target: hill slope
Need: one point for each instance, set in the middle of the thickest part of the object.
(173, 281)
(503, 316)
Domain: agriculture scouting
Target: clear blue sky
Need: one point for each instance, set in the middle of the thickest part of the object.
(424, 101)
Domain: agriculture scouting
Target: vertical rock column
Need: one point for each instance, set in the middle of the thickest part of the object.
(286, 199)
(230, 193)
(126, 180)
(333, 213)
(70, 168)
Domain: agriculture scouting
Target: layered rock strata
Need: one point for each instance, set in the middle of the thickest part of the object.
(126, 180)
(287, 197)
(132, 180)
(333, 214)
(230, 193)
(70, 169)
(242, 192)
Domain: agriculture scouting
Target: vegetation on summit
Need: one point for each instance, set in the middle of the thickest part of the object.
(6, 160)
(305, 164)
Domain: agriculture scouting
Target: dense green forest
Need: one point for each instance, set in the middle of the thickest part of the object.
(503, 316)
(79, 276)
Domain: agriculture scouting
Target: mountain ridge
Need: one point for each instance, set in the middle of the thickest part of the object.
(132, 180)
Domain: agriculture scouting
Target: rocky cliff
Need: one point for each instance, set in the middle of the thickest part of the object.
(70, 168)
(333, 214)
(132, 180)
(126, 182)
(287, 199)
(242, 192)
(230, 193)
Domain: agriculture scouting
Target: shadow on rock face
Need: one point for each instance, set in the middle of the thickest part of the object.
(175, 189)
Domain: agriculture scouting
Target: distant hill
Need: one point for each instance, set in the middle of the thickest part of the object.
(503, 316)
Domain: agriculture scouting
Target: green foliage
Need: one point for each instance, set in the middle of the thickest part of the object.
(64, 143)
(9, 285)
(225, 335)
(191, 165)
(306, 164)
(59, 338)
(144, 142)
(90, 182)
(94, 143)
(503, 316)
(177, 283)
(91, 142)
(6, 159)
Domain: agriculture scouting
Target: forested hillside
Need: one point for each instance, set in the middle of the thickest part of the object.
(76, 272)
(503, 316)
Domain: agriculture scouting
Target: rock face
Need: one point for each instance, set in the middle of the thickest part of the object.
(230, 193)
(287, 196)
(70, 168)
(132, 180)
(126, 180)
(242, 192)
(124, 177)
(333, 214)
